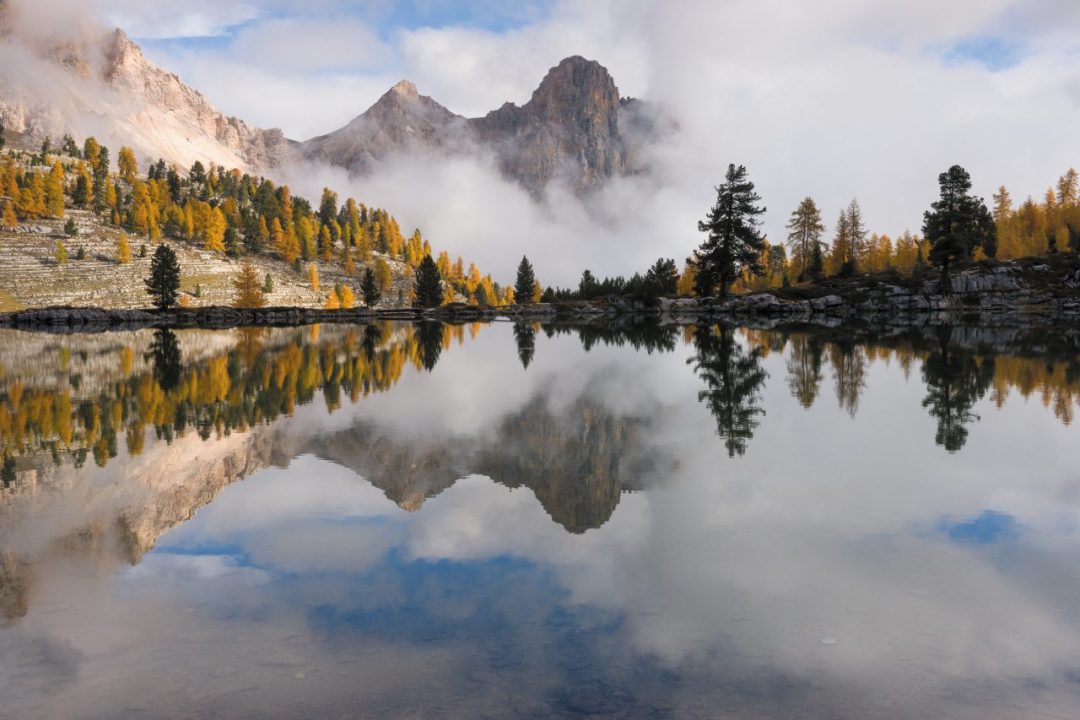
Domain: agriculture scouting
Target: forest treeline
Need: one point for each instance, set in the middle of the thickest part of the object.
(265, 376)
(737, 257)
(231, 213)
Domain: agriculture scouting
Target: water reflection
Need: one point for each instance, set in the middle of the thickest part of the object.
(613, 527)
(733, 377)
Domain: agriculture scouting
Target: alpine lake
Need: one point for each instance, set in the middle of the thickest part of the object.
(522, 520)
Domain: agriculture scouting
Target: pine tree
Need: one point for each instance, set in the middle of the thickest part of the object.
(523, 288)
(804, 236)
(734, 242)
(123, 250)
(61, 253)
(249, 294)
(163, 285)
(429, 291)
(957, 224)
(370, 288)
(268, 284)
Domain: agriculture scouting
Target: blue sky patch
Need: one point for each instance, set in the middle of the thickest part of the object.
(988, 528)
(994, 53)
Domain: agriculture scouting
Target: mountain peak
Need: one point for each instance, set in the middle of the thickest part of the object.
(407, 89)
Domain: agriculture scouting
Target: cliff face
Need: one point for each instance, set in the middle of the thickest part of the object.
(574, 128)
(94, 82)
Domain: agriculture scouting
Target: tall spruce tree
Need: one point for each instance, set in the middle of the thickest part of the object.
(957, 224)
(163, 285)
(429, 290)
(734, 241)
(804, 237)
(369, 286)
(526, 282)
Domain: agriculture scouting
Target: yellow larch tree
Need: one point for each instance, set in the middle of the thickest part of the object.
(249, 292)
(54, 191)
(123, 249)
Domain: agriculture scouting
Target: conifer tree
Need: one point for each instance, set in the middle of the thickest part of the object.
(957, 224)
(123, 250)
(429, 291)
(163, 285)
(370, 288)
(734, 241)
(126, 164)
(804, 236)
(249, 294)
(61, 253)
(526, 280)
(8, 220)
(313, 276)
(345, 295)
(54, 191)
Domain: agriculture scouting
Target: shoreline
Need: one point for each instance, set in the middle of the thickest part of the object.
(1015, 294)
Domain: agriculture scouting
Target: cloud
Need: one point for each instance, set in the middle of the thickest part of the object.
(835, 99)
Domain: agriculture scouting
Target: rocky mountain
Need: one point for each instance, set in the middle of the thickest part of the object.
(88, 81)
(575, 128)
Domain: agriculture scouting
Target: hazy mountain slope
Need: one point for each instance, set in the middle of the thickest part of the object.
(575, 127)
(88, 81)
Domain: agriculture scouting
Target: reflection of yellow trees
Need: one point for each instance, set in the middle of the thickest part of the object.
(248, 385)
(1055, 382)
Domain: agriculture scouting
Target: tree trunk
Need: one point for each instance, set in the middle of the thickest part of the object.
(946, 283)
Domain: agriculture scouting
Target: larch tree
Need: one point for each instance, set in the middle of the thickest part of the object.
(123, 249)
(8, 219)
(127, 165)
(54, 191)
(61, 253)
(313, 276)
(804, 238)
(957, 224)
(249, 291)
(526, 279)
(734, 243)
(163, 285)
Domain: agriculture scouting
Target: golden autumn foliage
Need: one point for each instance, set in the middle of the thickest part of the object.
(248, 287)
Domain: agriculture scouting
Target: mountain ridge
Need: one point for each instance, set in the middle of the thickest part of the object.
(575, 127)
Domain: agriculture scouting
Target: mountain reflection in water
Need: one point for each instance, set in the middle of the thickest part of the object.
(537, 520)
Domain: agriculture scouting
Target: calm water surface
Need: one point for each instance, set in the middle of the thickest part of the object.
(499, 521)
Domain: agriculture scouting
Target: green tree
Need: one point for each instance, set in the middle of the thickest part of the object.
(525, 339)
(662, 278)
(957, 224)
(804, 237)
(955, 381)
(163, 285)
(733, 380)
(734, 241)
(526, 281)
(369, 286)
(429, 290)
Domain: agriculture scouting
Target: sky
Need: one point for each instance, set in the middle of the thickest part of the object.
(836, 99)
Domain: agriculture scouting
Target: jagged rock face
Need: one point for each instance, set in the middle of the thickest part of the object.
(575, 128)
(99, 83)
(570, 126)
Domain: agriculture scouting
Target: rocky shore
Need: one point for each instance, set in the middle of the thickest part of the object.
(1008, 294)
